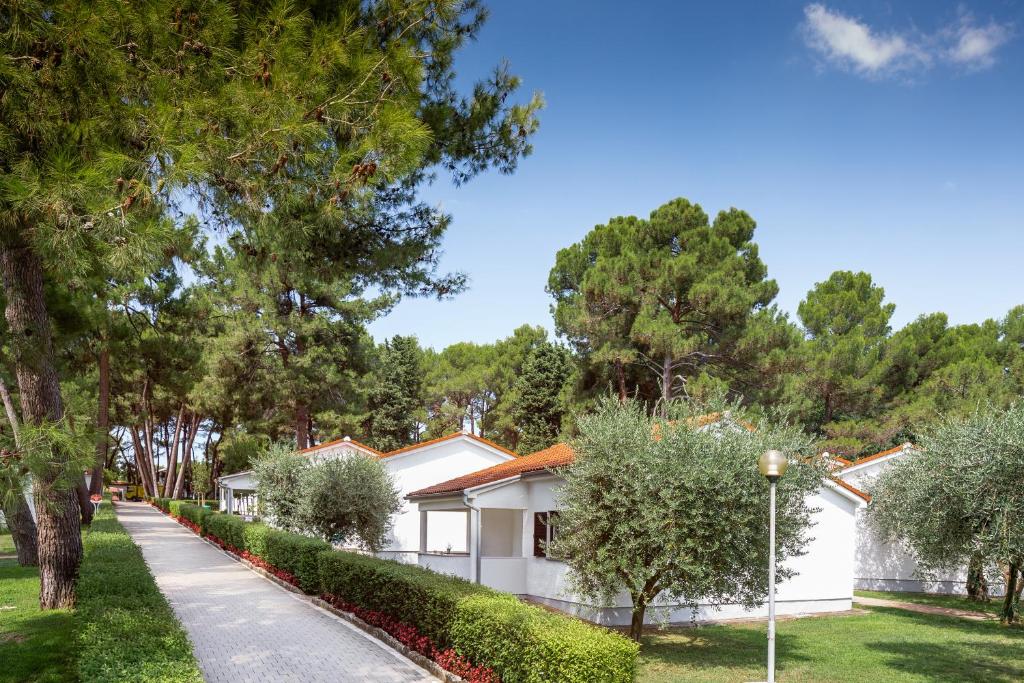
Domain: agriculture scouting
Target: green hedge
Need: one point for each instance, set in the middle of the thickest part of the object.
(125, 629)
(520, 642)
(293, 553)
(162, 503)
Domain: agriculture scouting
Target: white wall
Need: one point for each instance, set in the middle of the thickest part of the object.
(890, 567)
(422, 467)
(824, 580)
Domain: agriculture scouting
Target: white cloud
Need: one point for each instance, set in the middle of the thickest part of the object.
(852, 44)
(975, 46)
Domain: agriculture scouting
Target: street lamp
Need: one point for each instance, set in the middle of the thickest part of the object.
(772, 465)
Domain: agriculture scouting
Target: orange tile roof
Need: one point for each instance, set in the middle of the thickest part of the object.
(345, 439)
(447, 437)
(852, 489)
(555, 456)
(876, 456)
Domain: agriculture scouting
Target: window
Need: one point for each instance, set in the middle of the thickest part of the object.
(544, 531)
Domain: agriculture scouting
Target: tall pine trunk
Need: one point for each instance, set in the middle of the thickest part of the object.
(172, 454)
(620, 379)
(301, 425)
(17, 512)
(23, 531)
(102, 420)
(57, 510)
(186, 456)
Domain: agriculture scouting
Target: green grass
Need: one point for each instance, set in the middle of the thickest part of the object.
(951, 601)
(6, 543)
(125, 628)
(880, 645)
(34, 646)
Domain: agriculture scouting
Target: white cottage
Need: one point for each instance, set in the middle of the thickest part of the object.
(506, 508)
(412, 468)
(886, 566)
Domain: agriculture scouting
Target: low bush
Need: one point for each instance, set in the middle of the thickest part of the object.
(228, 529)
(296, 554)
(125, 629)
(162, 503)
(472, 628)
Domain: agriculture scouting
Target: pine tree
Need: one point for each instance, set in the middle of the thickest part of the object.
(113, 112)
(397, 394)
(538, 403)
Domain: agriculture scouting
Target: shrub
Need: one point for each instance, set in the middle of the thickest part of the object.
(125, 629)
(162, 503)
(191, 512)
(295, 554)
(229, 529)
(518, 642)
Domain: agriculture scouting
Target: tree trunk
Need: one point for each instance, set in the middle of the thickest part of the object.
(140, 464)
(18, 513)
(172, 454)
(301, 426)
(977, 584)
(620, 379)
(85, 508)
(23, 531)
(186, 456)
(1010, 613)
(102, 421)
(666, 384)
(57, 520)
(636, 624)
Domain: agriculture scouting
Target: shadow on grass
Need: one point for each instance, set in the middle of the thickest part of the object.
(973, 650)
(36, 648)
(716, 646)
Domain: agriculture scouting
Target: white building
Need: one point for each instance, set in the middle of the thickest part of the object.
(886, 566)
(412, 468)
(505, 510)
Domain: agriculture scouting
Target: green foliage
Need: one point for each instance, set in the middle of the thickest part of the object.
(296, 554)
(228, 528)
(125, 630)
(663, 508)
(34, 646)
(522, 643)
(396, 398)
(674, 292)
(278, 474)
(350, 499)
(537, 405)
(961, 496)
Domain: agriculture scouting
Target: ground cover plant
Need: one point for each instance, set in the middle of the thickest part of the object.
(124, 628)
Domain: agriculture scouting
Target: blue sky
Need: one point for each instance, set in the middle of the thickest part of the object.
(876, 136)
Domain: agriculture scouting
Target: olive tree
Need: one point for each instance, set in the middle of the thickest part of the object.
(960, 498)
(278, 473)
(348, 500)
(672, 512)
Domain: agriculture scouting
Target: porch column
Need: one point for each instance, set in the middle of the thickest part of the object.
(474, 545)
(229, 500)
(423, 531)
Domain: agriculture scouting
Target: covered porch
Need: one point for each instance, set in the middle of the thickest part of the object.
(488, 547)
(236, 494)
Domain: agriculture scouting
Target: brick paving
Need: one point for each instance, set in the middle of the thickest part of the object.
(244, 627)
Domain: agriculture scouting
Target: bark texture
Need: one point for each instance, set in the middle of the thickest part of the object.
(102, 421)
(57, 509)
(23, 531)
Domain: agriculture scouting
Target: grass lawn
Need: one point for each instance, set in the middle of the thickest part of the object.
(6, 543)
(993, 606)
(879, 645)
(33, 646)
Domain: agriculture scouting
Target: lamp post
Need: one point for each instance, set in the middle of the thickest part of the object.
(772, 465)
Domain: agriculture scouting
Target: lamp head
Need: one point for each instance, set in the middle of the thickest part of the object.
(772, 464)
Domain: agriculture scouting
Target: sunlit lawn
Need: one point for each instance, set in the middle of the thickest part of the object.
(6, 543)
(33, 646)
(879, 644)
(955, 602)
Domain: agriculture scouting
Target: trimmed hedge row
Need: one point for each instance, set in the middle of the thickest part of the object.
(519, 642)
(480, 633)
(125, 629)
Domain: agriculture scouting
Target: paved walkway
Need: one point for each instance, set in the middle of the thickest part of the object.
(923, 609)
(244, 627)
